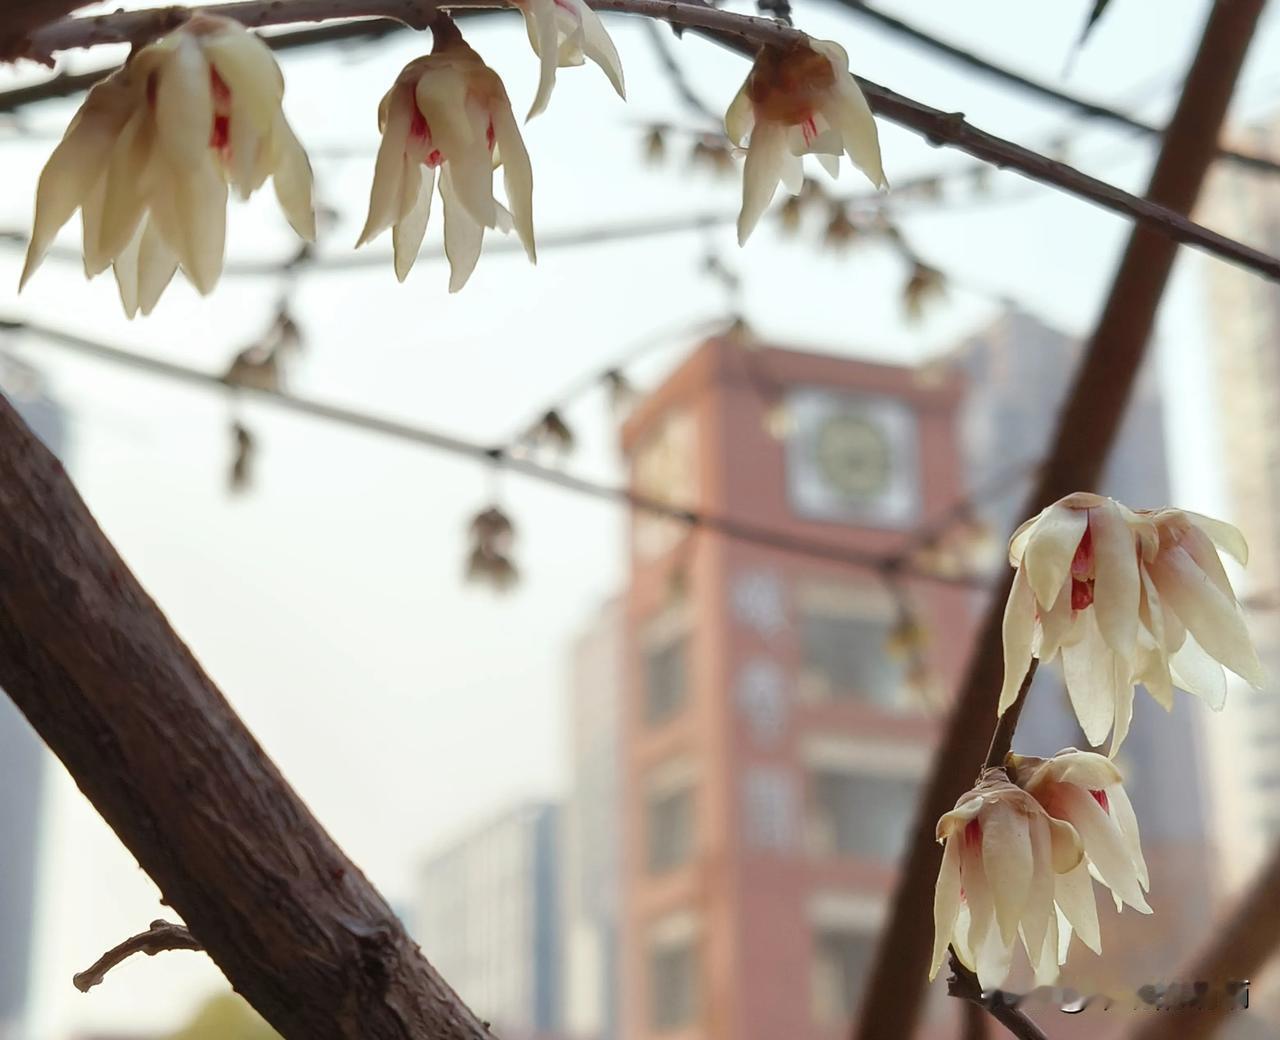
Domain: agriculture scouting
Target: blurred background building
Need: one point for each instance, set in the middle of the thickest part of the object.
(22, 759)
(488, 912)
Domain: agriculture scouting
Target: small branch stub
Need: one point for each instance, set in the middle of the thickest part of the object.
(161, 937)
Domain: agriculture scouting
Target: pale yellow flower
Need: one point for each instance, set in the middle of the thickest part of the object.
(1124, 597)
(448, 111)
(148, 159)
(565, 33)
(1003, 856)
(797, 101)
(1086, 790)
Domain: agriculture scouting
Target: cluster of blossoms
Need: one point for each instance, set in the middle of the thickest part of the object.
(1123, 597)
(150, 156)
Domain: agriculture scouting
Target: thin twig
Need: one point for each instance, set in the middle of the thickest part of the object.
(742, 33)
(161, 937)
(964, 984)
(1090, 109)
(1002, 738)
(676, 73)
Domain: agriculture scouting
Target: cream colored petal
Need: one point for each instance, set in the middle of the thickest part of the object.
(1088, 668)
(463, 236)
(830, 163)
(184, 107)
(1019, 634)
(1215, 621)
(1039, 904)
(1057, 624)
(946, 903)
(156, 266)
(955, 821)
(1117, 586)
(74, 168)
(792, 173)
(1103, 845)
(740, 119)
(200, 207)
(598, 46)
(1196, 672)
(91, 225)
(407, 232)
(1050, 547)
(992, 961)
(540, 18)
(1065, 846)
(1018, 540)
(760, 174)
(1045, 962)
(129, 173)
(1006, 858)
(1224, 536)
(1201, 549)
(847, 111)
(249, 70)
(1127, 821)
(441, 93)
(388, 168)
(1074, 894)
(977, 893)
(125, 268)
(293, 181)
(1153, 673)
(472, 169)
(517, 175)
(1124, 716)
(1082, 768)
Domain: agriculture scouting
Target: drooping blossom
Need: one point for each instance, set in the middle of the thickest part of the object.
(1001, 863)
(148, 159)
(448, 111)
(799, 100)
(1086, 790)
(1124, 597)
(565, 33)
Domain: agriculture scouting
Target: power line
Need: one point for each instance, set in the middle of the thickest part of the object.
(496, 456)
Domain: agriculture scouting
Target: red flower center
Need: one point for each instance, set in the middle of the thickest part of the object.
(1101, 798)
(220, 132)
(1082, 572)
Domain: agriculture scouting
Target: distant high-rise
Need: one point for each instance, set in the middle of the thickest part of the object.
(488, 912)
(592, 831)
(22, 758)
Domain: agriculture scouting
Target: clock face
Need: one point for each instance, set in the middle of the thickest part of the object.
(852, 458)
(854, 455)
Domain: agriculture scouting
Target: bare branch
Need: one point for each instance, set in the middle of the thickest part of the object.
(20, 17)
(1086, 429)
(742, 33)
(964, 984)
(161, 937)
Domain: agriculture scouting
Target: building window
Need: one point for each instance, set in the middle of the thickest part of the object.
(844, 657)
(855, 812)
(841, 961)
(673, 975)
(670, 828)
(666, 666)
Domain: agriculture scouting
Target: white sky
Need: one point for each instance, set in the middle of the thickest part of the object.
(328, 604)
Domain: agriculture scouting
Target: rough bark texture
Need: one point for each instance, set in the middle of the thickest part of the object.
(1237, 952)
(1086, 430)
(93, 664)
(20, 17)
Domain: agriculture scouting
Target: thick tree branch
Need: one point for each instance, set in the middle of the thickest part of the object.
(20, 18)
(161, 937)
(1238, 949)
(93, 664)
(1085, 432)
(743, 33)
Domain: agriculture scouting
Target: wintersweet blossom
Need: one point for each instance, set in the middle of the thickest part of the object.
(564, 33)
(1086, 790)
(148, 159)
(1002, 859)
(799, 100)
(1124, 597)
(448, 111)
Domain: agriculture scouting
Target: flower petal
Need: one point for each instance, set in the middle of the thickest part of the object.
(293, 180)
(1225, 536)
(760, 174)
(1019, 634)
(544, 35)
(599, 47)
(1074, 894)
(1117, 586)
(1103, 844)
(946, 903)
(1196, 672)
(407, 232)
(1007, 859)
(463, 235)
(1089, 669)
(740, 119)
(1050, 547)
(388, 168)
(517, 174)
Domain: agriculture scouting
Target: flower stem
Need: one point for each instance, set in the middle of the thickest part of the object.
(1002, 739)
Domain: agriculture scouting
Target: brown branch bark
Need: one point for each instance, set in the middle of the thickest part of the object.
(161, 937)
(743, 33)
(1086, 429)
(93, 664)
(20, 17)
(964, 984)
(1236, 953)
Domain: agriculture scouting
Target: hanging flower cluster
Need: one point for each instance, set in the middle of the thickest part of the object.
(1123, 597)
(150, 156)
